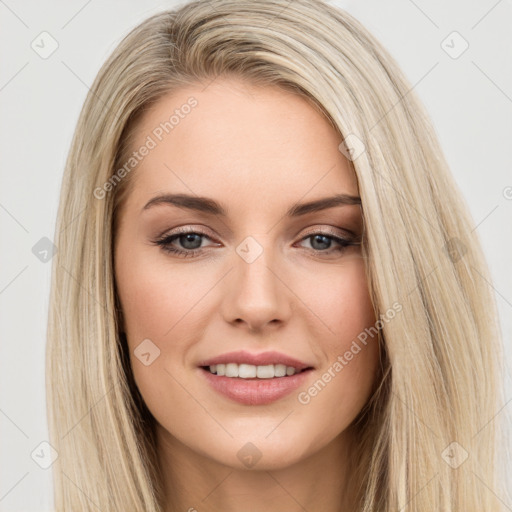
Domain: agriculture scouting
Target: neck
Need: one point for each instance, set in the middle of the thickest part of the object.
(195, 483)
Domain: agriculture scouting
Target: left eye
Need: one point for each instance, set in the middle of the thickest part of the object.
(321, 239)
(191, 242)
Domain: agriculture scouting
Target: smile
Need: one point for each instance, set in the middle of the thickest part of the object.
(250, 371)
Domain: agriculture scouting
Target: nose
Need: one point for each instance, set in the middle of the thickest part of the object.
(257, 296)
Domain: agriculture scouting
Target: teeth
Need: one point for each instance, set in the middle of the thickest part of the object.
(279, 370)
(265, 372)
(249, 371)
(231, 370)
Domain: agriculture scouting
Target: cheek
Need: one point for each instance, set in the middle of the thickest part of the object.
(345, 381)
(340, 300)
(157, 305)
(155, 299)
(167, 303)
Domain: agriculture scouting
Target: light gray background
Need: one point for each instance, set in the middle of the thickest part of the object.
(469, 99)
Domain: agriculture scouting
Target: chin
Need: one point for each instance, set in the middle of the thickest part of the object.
(255, 453)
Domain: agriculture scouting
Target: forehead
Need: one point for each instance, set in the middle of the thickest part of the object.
(239, 143)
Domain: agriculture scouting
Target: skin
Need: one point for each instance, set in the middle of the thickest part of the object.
(257, 151)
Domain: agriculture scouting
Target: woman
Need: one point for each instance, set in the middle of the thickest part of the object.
(267, 294)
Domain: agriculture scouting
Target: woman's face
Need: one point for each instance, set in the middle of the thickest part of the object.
(219, 262)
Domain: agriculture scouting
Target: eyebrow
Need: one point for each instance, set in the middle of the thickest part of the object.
(210, 206)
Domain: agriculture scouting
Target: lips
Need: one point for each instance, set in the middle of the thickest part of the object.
(259, 390)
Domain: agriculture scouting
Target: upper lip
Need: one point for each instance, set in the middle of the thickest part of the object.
(261, 359)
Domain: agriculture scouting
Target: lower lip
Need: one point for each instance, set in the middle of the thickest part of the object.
(255, 391)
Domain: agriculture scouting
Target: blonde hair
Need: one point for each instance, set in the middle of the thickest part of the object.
(441, 372)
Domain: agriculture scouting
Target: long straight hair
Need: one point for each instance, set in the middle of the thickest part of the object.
(428, 437)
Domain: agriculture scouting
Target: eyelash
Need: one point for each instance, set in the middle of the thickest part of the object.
(166, 241)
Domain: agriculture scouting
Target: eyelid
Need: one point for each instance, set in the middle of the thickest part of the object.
(189, 228)
(338, 232)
